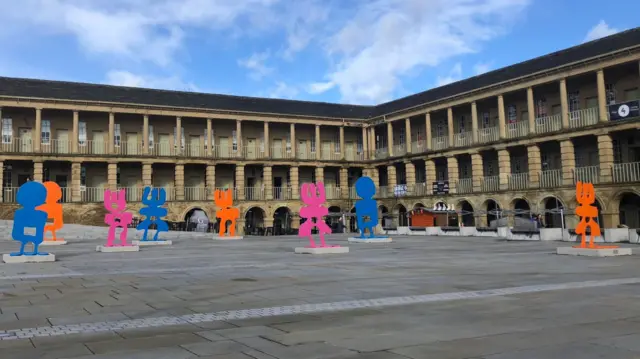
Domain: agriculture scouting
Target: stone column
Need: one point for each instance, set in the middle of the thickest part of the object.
(427, 130)
(502, 123)
(375, 176)
(410, 172)
(145, 134)
(112, 175)
(211, 181)
(319, 174)
(240, 181)
(239, 142)
(564, 104)
(535, 166)
(504, 164)
(407, 136)
(390, 138)
(602, 97)
(450, 127)
(392, 179)
(294, 177)
(365, 143)
(474, 121)
(341, 142)
(477, 171)
(37, 136)
(605, 153)
(318, 144)
(344, 183)
(453, 172)
(178, 137)
(1, 172)
(267, 142)
(37, 171)
(531, 110)
(179, 179)
(429, 173)
(209, 143)
(74, 139)
(147, 174)
(292, 133)
(568, 157)
(112, 125)
(267, 178)
(76, 181)
(372, 142)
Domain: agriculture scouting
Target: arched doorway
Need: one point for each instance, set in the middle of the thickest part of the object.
(254, 221)
(334, 218)
(552, 212)
(630, 210)
(521, 208)
(196, 220)
(493, 211)
(466, 214)
(384, 217)
(401, 212)
(353, 221)
(282, 221)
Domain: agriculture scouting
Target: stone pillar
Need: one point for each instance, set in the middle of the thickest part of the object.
(74, 139)
(504, 165)
(535, 166)
(240, 181)
(179, 182)
(319, 174)
(453, 173)
(568, 157)
(407, 136)
(531, 109)
(564, 103)
(410, 172)
(147, 174)
(37, 171)
(239, 143)
(375, 176)
(318, 144)
(344, 183)
(427, 130)
(112, 125)
(342, 142)
(392, 180)
(211, 181)
(502, 124)
(37, 136)
(76, 181)
(365, 143)
(605, 153)
(178, 140)
(292, 133)
(474, 121)
(267, 178)
(450, 127)
(1, 172)
(112, 175)
(430, 173)
(145, 134)
(210, 141)
(372, 142)
(267, 142)
(390, 138)
(602, 97)
(477, 171)
(294, 177)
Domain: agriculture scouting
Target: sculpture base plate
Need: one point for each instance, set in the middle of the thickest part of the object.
(227, 238)
(105, 249)
(53, 243)
(151, 243)
(370, 240)
(321, 250)
(602, 252)
(9, 259)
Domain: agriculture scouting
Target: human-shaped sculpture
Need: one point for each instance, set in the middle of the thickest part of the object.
(224, 200)
(30, 196)
(313, 195)
(53, 208)
(153, 199)
(585, 196)
(117, 217)
(366, 207)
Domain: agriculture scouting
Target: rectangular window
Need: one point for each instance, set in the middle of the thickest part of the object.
(46, 175)
(486, 120)
(461, 124)
(7, 130)
(541, 107)
(512, 114)
(116, 135)
(516, 165)
(206, 139)
(610, 92)
(234, 139)
(336, 142)
(83, 176)
(288, 144)
(264, 140)
(574, 101)
(489, 169)
(45, 132)
(7, 181)
(118, 177)
(313, 144)
(440, 129)
(617, 151)
(175, 137)
(82, 133)
(359, 145)
(151, 137)
(402, 135)
(213, 138)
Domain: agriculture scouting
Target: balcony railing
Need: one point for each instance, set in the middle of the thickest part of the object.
(418, 146)
(333, 192)
(626, 172)
(281, 193)
(253, 152)
(400, 149)
(331, 155)
(490, 183)
(234, 190)
(352, 193)
(254, 193)
(383, 192)
(551, 179)
(421, 189)
(463, 139)
(305, 154)
(132, 194)
(549, 123)
(583, 118)
(464, 185)
(56, 147)
(381, 152)
(279, 152)
(194, 150)
(351, 155)
(91, 147)
(587, 174)
(18, 145)
(92, 194)
(196, 193)
(518, 129)
(440, 143)
(519, 181)
(488, 134)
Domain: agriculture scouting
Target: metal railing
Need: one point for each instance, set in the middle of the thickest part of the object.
(490, 184)
(305, 154)
(440, 143)
(464, 185)
(254, 193)
(92, 194)
(351, 155)
(548, 123)
(463, 139)
(224, 152)
(56, 147)
(518, 181)
(418, 146)
(488, 134)
(381, 152)
(194, 151)
(383, 192)
(352, 193)
(91, 147)
(253, 152)
(421, 189)
(400, 149)
(331, 155)
(133, 194)
(281, 193)
(196, 193)
(281, 153)
(517, 129)
(17, 145)
(583, 118)
(626, 172)
(587, 174)
(551, 178)
(128, 148)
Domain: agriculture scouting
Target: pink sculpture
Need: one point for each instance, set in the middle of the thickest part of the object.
(116, 217)
(313, 213)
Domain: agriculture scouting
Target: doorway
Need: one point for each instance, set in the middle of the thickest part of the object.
(25, 139)
(62, 139)
(277, 188)
(250, 188)
(61, 180)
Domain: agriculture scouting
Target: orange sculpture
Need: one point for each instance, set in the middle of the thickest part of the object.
(53, 209)
(585, 196)
(224, 200)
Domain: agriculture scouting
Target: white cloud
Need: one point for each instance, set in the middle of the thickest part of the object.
(480, 68)
(284, 91)
(600, 30)
(320, 87)
(125, 78)
(454, 75)
(255, 65)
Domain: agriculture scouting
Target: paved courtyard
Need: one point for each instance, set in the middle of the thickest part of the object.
(418, 297)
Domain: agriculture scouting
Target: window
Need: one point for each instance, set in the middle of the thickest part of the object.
(516, 165)
(151, 137)
(45, 132)
(631, 94)
(486, 120)
(359, 145)
(544, 159)
(213, 138)
(461, 123)
(512, 114)
(313, 144)
(83, 176)
(336, 142)
(610, 93)
(419, 136)
(116, 135)
(465, 171)
(6, 177)
(117, 176)
(264, 140)
(402, 135)
(175, 138)
(234, 139)
(489, 169)
(288, 144)
(541, 107)
(46, 175)
(7, 130)
(574, 101)
(617, 151)
(440, 129)
(82, 133)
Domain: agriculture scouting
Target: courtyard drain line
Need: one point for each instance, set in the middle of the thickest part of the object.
(97, 327)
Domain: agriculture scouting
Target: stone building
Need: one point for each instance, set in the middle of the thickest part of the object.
(516, 138)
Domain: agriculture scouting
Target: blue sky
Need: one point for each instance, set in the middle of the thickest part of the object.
(350, 51)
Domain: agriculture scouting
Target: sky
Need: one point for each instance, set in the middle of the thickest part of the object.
(349, 51)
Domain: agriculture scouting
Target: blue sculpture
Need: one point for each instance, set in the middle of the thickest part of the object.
(30, 195)
(153, 211)
(367, 206)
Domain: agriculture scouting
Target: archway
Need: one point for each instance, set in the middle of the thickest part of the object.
(401, 211)
(521, 208)
(254, 221)
(334, 217)
(353, 222)
(383, 215)
(552, 216)
(493, 212)
(196, 219)
(282, 221)
(466, 214)
(630, 210)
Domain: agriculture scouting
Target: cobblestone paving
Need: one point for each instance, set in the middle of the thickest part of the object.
(418, 297)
